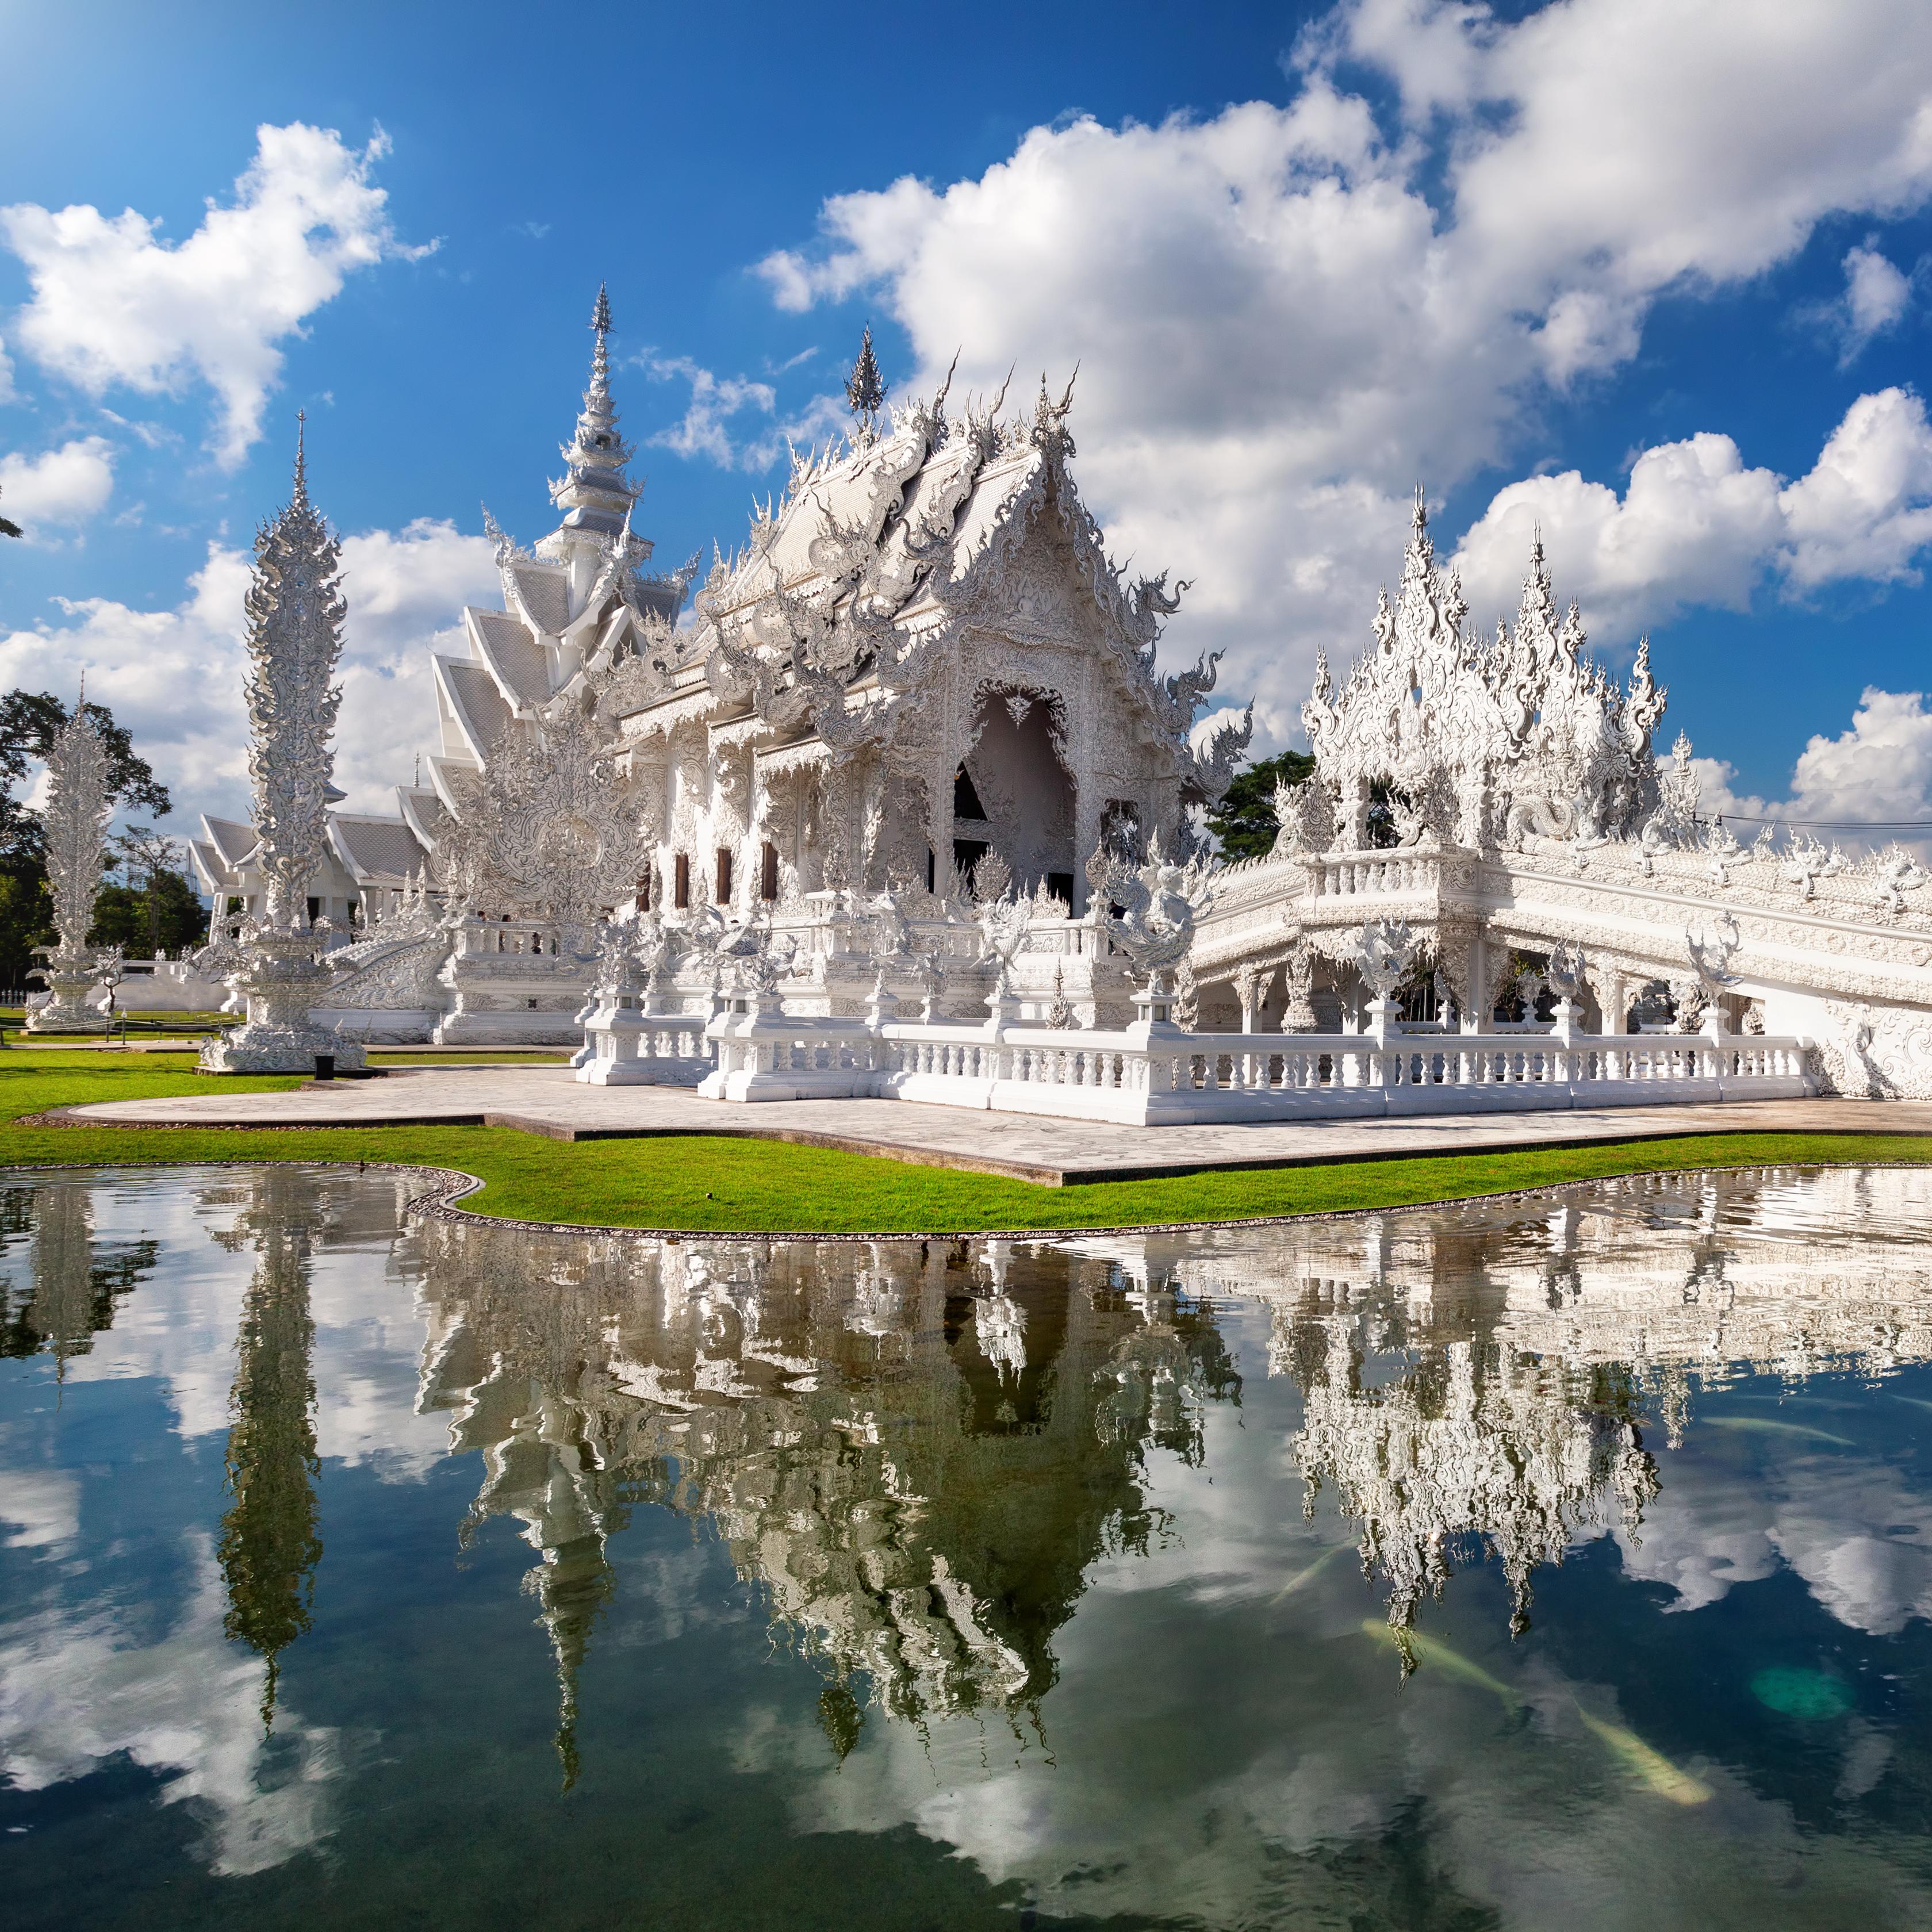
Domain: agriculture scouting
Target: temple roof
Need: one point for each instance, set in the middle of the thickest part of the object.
(852, 587)
(475, 702)
(375, 849)
(520, 665)
(234, 839)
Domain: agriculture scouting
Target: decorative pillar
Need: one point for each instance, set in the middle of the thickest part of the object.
(295, 611)
(73, 824)
(1477, 1014)
(1248, 990)
(1613, 1001)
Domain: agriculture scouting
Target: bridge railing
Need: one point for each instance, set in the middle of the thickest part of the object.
(1152, 1072)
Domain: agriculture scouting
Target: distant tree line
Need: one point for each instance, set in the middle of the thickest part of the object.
(152, 906)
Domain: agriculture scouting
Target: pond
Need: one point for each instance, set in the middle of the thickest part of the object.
(1563, 1562)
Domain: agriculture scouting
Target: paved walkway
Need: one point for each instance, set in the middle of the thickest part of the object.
(548, 1101)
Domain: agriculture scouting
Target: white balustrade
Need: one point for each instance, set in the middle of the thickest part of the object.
(1154, 1073)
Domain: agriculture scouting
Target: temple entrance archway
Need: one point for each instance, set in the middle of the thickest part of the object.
(1015, 775)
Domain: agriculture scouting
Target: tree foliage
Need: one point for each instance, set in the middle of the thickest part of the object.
(1244, 821)
(165, 914)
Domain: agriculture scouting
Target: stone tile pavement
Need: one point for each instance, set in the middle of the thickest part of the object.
(547, 1100)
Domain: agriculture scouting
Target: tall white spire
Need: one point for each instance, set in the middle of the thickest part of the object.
(595, 493)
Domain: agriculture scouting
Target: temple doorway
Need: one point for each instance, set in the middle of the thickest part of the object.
(1023, 793)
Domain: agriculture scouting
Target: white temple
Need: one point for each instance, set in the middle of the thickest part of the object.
(909, 748)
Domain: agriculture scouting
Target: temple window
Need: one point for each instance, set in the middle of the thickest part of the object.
(681, 885)
(768, 871)
(644, 893)
(724, 877)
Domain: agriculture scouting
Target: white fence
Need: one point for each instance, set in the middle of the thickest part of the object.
(1152, 1074)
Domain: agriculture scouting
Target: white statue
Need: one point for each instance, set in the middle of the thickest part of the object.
(74, 824)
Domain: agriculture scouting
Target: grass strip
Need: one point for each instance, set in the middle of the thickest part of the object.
(706, 1184)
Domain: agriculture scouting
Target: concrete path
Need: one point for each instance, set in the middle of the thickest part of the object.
(548, 1101)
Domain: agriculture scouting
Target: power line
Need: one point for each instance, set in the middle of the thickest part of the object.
(1834, 824)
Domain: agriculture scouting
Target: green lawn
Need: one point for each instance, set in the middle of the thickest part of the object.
(715, 1182)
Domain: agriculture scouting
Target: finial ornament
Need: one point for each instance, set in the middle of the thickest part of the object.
(600, 315)
(866, 388)
(300, 495)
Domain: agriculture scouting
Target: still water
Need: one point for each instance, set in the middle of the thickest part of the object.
(1555, 1564)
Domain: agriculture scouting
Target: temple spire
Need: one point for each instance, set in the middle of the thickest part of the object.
(865, 389)
(597, 494)
(300, 496)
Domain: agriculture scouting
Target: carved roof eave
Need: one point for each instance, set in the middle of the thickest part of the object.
(697, 706)
(513, 604)
(217, 876)
(364, 874)
(973, 593)
(408, 803)
(732, 734)
(800, 754)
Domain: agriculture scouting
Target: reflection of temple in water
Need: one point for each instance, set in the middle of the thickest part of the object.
(270, 1543)
(1483, 1372)
(914, 1449)
(76, 1284)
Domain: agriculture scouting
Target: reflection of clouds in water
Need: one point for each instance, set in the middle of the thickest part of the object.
(1855, 1533)
(41, 1508)
(178, 1327)
(1313, 1791)
(77, 1691)
(1833, 1529)
(665, 1594)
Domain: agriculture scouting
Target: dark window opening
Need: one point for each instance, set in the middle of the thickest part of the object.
(314, 910)
(681, 897)
(932, 868)
(1060, 884)
(768, 871)
(966, 853)
(644, 893)
(724, 877)
(965, 800)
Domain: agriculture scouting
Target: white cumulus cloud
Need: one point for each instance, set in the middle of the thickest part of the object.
(1696, 525)
(114, 305)
(707, 427)
(60, 488)
(1286, 313)
(1876, 774)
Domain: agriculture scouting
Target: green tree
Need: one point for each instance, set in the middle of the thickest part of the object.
(1244, 821)
(164, 915)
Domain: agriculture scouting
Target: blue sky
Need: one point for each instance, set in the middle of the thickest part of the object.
(1647, 274)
